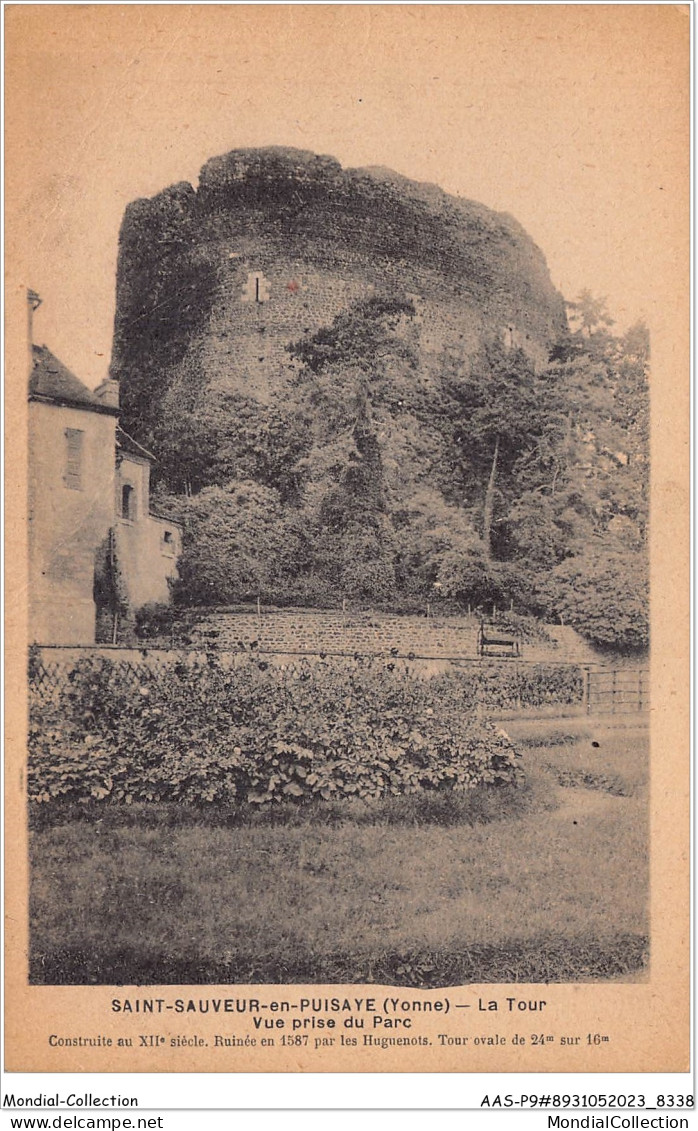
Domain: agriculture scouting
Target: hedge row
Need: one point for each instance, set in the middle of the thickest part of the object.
(508, 686)
(259, 733)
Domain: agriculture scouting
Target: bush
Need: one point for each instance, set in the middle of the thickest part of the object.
(525, 627)
(605, 596)
(154, 620)
(259, 734)
(506, 687)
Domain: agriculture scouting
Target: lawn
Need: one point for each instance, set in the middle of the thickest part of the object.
(592, 752)
(556, 891)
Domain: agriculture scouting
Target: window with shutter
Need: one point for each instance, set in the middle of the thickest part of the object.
(73, 458)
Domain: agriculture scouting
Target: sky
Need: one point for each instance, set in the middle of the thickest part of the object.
(573, 118)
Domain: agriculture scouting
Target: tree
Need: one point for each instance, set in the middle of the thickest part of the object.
(430, 532)
(236, 544)
(496, 414)
(473, 579)
(385, 474)
(110, 592)
(354, 543)
(351, 376)
(632, 394)
(589, 314)
(604, 593)
(214, 438)
(536, 531)
(590, 330)
(364, 336)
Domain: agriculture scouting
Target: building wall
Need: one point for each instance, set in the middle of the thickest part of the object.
(147, 560)
(67, 524)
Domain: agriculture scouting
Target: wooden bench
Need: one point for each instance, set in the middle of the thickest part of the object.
(491, 641)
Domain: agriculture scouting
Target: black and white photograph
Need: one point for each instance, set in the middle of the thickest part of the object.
(339, 420)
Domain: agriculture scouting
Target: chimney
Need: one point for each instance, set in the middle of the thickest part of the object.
(108, 392)
(33, 303)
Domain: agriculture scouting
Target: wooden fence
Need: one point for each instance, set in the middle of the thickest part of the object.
(617, 691)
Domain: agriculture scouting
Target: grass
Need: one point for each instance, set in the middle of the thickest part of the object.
(592, 755)
(480, 805)
(534, 893)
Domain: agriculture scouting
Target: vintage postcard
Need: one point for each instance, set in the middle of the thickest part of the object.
(347, 497)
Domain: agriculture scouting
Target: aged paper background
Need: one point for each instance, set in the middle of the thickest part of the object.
(89, 89)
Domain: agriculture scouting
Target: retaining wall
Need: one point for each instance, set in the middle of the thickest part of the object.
(331, 631)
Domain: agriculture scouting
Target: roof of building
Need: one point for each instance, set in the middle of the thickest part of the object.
(131, 447)
(50, 380)
(166, 518)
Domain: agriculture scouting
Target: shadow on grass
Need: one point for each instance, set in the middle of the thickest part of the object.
(544, 960)
(479, 805)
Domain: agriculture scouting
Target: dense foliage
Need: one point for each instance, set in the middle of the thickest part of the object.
(370, 476)
(258, 733)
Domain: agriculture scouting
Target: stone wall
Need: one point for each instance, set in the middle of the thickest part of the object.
(306, 631)
(317, 237)
(245, 345)
(433, 643)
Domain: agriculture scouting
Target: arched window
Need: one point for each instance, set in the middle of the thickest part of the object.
(128, 502)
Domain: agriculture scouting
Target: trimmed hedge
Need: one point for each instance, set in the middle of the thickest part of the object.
(259, 733)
